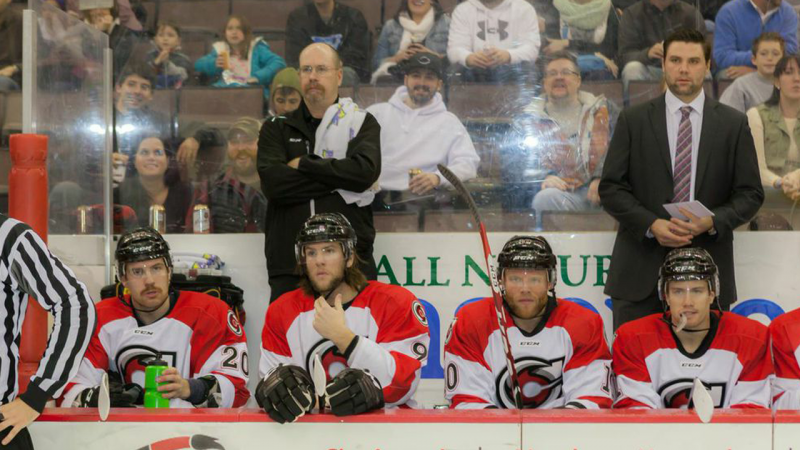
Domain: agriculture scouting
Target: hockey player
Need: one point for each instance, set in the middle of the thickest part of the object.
(559, 347)
(658, 357)
(199, 337)
(785, 334)
(371, 338)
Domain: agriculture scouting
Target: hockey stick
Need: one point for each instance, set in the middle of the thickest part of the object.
(498, 299)
(701, 399)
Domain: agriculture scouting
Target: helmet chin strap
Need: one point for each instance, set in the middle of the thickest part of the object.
(682, 325)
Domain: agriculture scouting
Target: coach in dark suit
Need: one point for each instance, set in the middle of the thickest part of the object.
(680, 146)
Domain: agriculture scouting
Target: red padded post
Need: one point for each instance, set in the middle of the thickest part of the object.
(27, 201)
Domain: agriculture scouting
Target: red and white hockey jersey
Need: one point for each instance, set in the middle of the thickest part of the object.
(654, 371)
(785, 334)
(392, 332)
(565, 361)
(199, 336)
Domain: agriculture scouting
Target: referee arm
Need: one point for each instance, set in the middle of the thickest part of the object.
(34, 271)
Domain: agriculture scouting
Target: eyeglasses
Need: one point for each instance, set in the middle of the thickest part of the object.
(563, 73)
(158, 270)
(321, 70)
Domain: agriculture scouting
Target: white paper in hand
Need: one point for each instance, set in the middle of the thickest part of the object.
(703, 404)
(104, 400)
(694, 207)
(319, 378)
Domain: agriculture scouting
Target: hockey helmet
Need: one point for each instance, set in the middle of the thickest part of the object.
(141, 244)
(687, 264)
(326, 227)
(528, 252)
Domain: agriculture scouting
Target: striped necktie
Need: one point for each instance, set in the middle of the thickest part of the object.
(682, 174)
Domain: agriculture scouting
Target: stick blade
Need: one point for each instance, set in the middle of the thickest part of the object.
(462, 191)
(703, 404)
(104, 400)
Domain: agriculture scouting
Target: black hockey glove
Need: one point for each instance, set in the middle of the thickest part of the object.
(227, 210)
(121, 395)
(354, 391)
(286, 393)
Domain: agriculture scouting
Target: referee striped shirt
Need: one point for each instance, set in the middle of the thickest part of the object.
(29, 270)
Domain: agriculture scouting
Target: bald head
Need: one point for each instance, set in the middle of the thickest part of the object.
(324, 51)
(320, 77)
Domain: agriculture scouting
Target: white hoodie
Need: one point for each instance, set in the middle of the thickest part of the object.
(512, 26)
(420, 139)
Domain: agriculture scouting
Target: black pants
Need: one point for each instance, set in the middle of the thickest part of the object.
(22, 441)
(281, 284)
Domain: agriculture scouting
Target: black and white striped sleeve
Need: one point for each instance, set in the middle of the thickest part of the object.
(41, 275)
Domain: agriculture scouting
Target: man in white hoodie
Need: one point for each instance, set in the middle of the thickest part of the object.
(494, 39)
(417, 132)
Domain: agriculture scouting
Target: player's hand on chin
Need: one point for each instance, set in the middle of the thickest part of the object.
(330, 323)
(16, 415)
(176, 387)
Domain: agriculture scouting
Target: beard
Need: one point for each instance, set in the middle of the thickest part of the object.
(689, 89)
(421, 95)
(324, 288)
(316, 96)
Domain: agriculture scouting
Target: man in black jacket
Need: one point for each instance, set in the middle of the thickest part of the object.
(303, 175)
(342, 27)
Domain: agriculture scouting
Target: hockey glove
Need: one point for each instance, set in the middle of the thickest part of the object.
(354, 391)
(121, 395)
(286, 393)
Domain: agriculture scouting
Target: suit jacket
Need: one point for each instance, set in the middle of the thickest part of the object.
(637, 182)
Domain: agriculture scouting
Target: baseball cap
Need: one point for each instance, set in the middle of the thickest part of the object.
(248, 126)
(423, 60)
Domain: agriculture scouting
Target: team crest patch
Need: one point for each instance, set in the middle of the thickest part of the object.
(233, 323)
(419, 313)
(450, 331)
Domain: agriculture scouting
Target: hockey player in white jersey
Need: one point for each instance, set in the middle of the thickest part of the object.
(785, 334)
(371, 338)
(658, 357)
(559, 347)
(199, 337)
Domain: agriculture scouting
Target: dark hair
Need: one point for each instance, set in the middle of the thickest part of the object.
(769, 36)
(781, 68)
(247, 30)
(561, 54)
(139, 69)
(352, 276)
(171, 24)
(172, 174)
(688, 35)
(437, 10)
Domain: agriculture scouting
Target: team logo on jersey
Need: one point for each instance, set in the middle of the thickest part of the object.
(678, 393)
(134, 358)
(450, 331)
(540, 380)
(419, 313)
(333, 361)
(233, 323)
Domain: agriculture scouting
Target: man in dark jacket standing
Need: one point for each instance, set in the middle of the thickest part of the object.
(342, 27)
(323, 157)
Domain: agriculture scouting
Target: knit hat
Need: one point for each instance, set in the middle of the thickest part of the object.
(249, 126)
(287, 77)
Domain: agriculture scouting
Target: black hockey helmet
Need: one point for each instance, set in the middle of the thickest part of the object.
(141, 244)
(326, 227)
(686, 264)
(528, 252)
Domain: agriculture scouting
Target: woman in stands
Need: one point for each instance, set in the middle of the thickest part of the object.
(418, 26)
(155, 181)
(776, 134)
(240, 59)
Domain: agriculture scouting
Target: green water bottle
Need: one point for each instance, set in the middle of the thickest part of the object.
(153, 398)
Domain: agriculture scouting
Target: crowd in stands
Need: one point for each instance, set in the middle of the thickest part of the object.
(560, 54)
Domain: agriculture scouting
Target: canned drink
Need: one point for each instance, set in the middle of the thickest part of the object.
(226, 60)
(412, 173)
(158, 218)
(84, 219)
(201, 218)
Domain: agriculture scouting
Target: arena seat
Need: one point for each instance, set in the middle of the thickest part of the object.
(220, 107)
(196, 46)
(152, 15)
(471, 101)
(347, 91)
(396, 222)
(165, 101)
(611, 89)
(577, 221)
(722, 85)
(265, 14)
(196, 14)
(277, 45)
(369, 95)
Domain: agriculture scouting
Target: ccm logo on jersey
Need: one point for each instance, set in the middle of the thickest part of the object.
(233, 323)
(691, 365)
(678, 393)
(539, 379)
(529, 343)
(143, 332)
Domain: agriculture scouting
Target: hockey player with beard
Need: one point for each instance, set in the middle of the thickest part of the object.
(371, 338)
(198, 336)
(559, 347)
(658, 357)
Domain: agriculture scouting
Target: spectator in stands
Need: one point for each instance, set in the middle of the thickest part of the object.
(342, 27)
(590, 29)
(10, 47)
(581, 126)
(740, 22)
(155, 181)
(127, 16)
(240, 59)
(323, 157)
(235, 199)
(756, 87)
(120, 39)
(419, 26)
(642, 31)
(285, 92)
(172, 67)
(776, 134)
(494, 40)
(417, 132)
